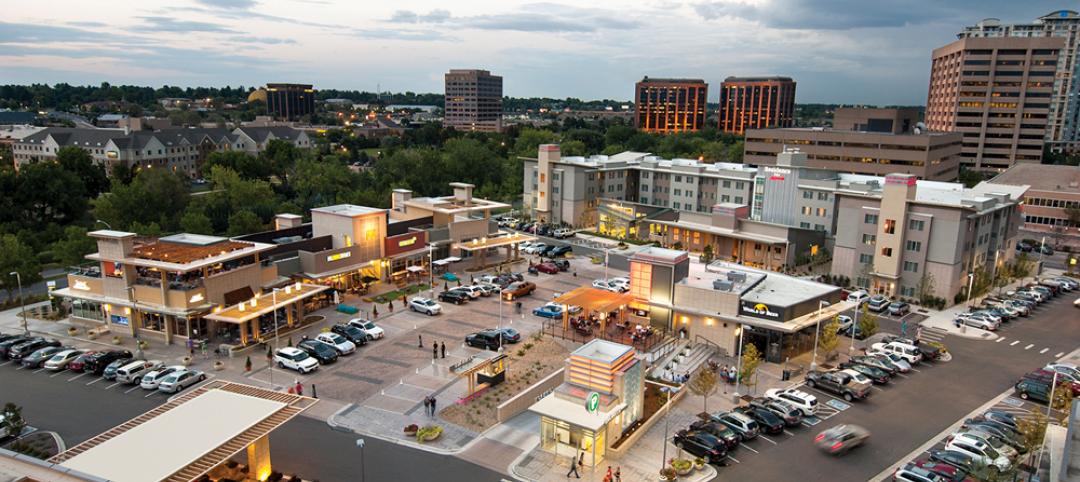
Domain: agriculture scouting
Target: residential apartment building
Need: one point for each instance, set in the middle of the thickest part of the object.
(892, 120)
(670, 105)
(1063, 122)
(926, 155)
(1053, 190)
(473, 100)
(906, 236)
(180, 150)
(997, 92)
(290, 101)
(756, 103)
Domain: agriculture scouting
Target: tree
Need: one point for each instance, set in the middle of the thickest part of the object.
(1063, 396)
(196, 221)
(1021, 266)
(71, 250)
(827, 339)
(707, 254)
(13, 420)
(44, 193)
(244, 222)
(751, 359)
(704, 384)
(926, 288)
(242, 163)
(15, 256)
(154, 196)
(79, 162)
(868, 321)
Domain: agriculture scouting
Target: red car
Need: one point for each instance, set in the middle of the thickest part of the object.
(547, 267)
(948, 472)
(79, 363)
(1048, 377)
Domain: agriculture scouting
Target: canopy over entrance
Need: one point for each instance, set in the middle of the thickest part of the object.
(594, 300)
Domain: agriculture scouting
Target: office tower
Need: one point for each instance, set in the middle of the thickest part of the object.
(670, 105)
(473, 100)
(756, 103)
(290, 101)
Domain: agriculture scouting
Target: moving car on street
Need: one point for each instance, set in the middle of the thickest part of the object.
(518, 289)
(425, 306)
(841, 438)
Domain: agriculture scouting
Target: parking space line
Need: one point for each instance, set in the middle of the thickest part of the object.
(98, 379)
(1029, 346)
(1059, 355)
(1014, 342)
(767, 439)
(39, 370)
(113, 385)
(877, 388)
(132, 389)
(789, 434)
(1000, 339)
(733, 459)
(901, 375)
(152, 393)
(76, 377)
(916, 370)
(21, 367)
(1044, 350)
(748, 448)
(5, 363)
(57, 373)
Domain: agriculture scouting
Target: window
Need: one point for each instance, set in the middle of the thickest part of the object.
(727, 184)
(739, 185)
(807, 210)
(911, 267)
(823, 196)
(676, 205)
(678, 192)
(644, 188)
(804, 225)
(870, 219)
(822, 212)
(678, 178)
(907, 291)
(738, 200)
(915, 225)
(807, 195)
(915, 246)
(819, 227)
(862, 282)
(865, 258)
(886, 252)
(890, 226)
(725, 198)
(869, 239)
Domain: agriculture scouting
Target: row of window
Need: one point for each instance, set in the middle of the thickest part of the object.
(1051, 203)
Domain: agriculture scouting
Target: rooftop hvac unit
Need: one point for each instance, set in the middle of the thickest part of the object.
(722, 285)
(736, 276)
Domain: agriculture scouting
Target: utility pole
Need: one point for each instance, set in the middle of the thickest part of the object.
(22, 301)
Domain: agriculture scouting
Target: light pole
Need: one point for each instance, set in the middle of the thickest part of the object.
(667, 410)
(22, 301)
(738, 363)
(817, 331)
(854, 326)
(971, 286)
(107, 225)
(363, 472)
(1042, 244)
(273, 306)
(431, 268)
(1053, 388)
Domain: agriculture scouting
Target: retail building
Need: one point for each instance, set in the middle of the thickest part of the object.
(1054, 191)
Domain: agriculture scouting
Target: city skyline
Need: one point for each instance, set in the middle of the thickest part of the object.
(838, 52)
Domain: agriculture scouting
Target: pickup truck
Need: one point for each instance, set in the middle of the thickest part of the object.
(839, 383)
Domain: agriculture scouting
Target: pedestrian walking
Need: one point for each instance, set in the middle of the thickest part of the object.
(618, 473)
(390, 306)
(299, 388)
(444, 349)
(427, 406)
(433, 409)
(420, 338)
(573, 468)
(435, 351)
(608, 476)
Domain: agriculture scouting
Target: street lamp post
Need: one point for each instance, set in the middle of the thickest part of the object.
(667, 410)
(854, 326)
(1042, 244)
(273, 306)
(817, 332)
(107, 225)
(1049, 405)
(363, 471)
(738, 363)
(22, 301)
(431, 269)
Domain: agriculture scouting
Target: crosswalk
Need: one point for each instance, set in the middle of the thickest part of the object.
(931, 333)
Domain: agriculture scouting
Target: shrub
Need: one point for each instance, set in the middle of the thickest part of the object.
(527, 346)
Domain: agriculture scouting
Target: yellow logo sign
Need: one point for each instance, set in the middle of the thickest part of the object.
(407, 242)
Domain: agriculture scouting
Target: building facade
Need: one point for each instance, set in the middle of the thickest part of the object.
(1063, 123)
(670, 105)
(926, 155)
(908, 238)
(180, 150)
(290, 101)
(997, 92)
(756, 103)
(473, 100)
(1054, 192)
(893, 120)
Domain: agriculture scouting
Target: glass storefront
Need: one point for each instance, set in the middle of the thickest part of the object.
(153, 322)
(179, 326)
(90, 310)
(567, 440)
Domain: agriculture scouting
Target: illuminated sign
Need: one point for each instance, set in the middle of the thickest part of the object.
(81, 285)
(759, 310)
(197, 297)
(777, 170)
(776, 178)
(338, 256)
(592, 402)
(112, 154)
(407, 242)
(900, 180)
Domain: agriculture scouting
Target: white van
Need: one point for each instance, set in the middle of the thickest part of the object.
(134, 371)
(909, 353)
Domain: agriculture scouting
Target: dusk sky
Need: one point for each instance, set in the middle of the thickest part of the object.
(848, 51)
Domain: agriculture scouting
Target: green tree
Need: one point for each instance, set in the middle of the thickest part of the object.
(45, 192)
(926, 288)
(154, 196)
(16, 256)
(14, 424)
(79, 162)
(244, 222)
(751, 360)
(196, 221)
(827, 339)
(242, 163)
(281, 156)
(71, 250)
(868, 321)
(1021, 266)
(704, 384)
(530, 139)
(707, 254)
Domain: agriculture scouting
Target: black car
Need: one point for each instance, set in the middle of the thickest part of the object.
(956, 459)
(39, 357)
(790, 415)
(25, 348)
(562, 264)
(1002, 417)
(559, 251)
(701, 444)
(838, 383)
(875, 362)
(487, 339)
(455, 297)
(321, 352)
(859, 333)
(7, 345)
(96, 364)
(767, 421)
(109, 373)
(875, 374)
(718, 430)
(351, 333)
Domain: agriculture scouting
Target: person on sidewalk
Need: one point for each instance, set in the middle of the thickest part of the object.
(435, 351)
(427, 406)
(299, 388)
(444, 349)
(618, 473)
(420, 339)
(573, 468)
(433, 402)
(608, 476)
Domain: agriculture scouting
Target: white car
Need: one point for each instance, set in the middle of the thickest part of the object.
(470, 290)
(1077, 303)
(975, 321)
(337, 342)
(859, 296)
(858, 377)
(60, 360)
(425, 305)
(133, 372)
(981, 452)
(604, 285)
(562, 233)
(295, 359)
(373, 331)
(843, 322)
(1066, 368)
(994, 442)
(535, 248)
(805, 402)
(909, 353)
(180, 380)
(151, 380)
(485, 288)
(622, 282)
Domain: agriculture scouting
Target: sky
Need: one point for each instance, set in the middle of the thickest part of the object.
(839, 51)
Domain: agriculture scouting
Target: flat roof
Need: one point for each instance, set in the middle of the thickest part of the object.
(574, 413)
(654, 253)
(1042, 177)
(164, 445)
(350, 210)
(109, 233)
(602, 351)
(761, 286)
(494, 241)
(265, 303)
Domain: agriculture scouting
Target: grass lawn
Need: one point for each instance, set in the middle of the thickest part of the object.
(397, 294)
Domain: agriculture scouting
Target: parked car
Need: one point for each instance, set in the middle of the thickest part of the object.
(425, 305)
(1033, 389)
(295, 359)
(351, 333)
(40, 356)
(767, 421)
(455, 297)
(78, 365)
(956, 459)
(975, 321)
(743, 425)
(548, 268)
(535, 248)
(853, 330)
(562, 233)
(839, 383)
(133, 372)
(912, 473)
(605, 285)
(60, 360)
(995, 442)
(718, 430)
(6, 345)
(559, 251)
(841, 438)
(858, 296)
(549, 310)
(486, 339)
(1005, 435)
(1067, 368)
(843, 323)
(791, 416)
(152, 379)
(701, 444)
(874, 362)
(877, 303)
(510, 335)
(180, 380)
(908, 353)
(109, 373)
(1002, 417)
(321, 352)
(517, 290)
(902, 366)
(337, 342)
(899, 308)
(875, 374)
(470, 290)
(27, 347)
(1048, 376)
(805, 402)
(102, 359)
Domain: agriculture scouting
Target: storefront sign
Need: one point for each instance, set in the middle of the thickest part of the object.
(759, 310)
(79, 285)
(338, 256)
(777, 170)
(402, 243)
(592, 402)
(407, 242)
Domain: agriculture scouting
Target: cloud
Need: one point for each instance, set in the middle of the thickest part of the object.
(248, 15)
(169, 24)
(539, 17)
(408, 16)
(250, 39)
(408, 35)
(26, 32)
(228, 4)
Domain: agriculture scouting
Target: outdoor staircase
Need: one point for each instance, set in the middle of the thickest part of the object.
(687, 358)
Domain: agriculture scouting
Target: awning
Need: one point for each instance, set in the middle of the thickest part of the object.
(414, 269)
(494, 242)
(265, 303)
(574, 413)
(595, 299)
(138, 305)
(446, 261)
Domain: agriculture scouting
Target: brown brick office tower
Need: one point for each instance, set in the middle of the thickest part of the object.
(756, 103)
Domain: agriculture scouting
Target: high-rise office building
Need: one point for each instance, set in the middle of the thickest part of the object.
(756, 103)
(290, 101)
(1063, 123)
(997, 93)
(473, 100)
(670, 105)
